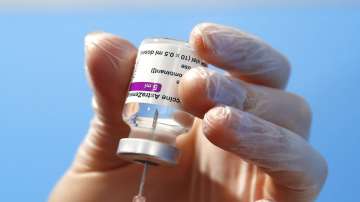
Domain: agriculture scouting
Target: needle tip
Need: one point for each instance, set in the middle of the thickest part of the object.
(139, 198)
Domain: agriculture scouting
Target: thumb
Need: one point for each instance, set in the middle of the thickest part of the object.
(109, 65)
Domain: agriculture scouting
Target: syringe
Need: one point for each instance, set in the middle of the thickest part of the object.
(140, 196)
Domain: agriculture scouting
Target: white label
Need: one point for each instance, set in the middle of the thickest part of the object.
(158, 71)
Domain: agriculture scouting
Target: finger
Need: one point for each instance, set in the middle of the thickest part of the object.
(241, 54)
(211, 88)
(109, 64)
(296, 169)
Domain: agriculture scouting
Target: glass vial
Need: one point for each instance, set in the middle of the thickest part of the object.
(153, 108)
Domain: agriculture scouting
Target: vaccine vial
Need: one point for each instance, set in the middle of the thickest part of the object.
(153, 108)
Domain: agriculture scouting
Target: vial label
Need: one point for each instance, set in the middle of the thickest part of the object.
(158, 71)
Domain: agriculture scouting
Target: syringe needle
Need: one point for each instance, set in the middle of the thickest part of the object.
(139, 197)
(142, 181)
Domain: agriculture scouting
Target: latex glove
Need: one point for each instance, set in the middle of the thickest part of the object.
(251, 147)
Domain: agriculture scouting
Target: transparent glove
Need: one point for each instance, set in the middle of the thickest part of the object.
(249, 142)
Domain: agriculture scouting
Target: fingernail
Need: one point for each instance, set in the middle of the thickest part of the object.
(116, 50)
(215, 37)
(222, 89)
(225, 90)
(203, 72)
(218, 40)
(100, 39)
(219, 112)
(93, 38)
(217, 115)
(91, 42)
(197, 34)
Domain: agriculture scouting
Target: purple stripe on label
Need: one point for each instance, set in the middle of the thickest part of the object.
(145, 86)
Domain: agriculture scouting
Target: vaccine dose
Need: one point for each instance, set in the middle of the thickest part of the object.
(153, 107)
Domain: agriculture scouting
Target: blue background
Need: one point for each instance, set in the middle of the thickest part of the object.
(45, 100)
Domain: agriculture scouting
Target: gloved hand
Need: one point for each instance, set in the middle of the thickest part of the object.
(248, 143)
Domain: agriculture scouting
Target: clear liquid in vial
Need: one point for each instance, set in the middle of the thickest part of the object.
(171, 122)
